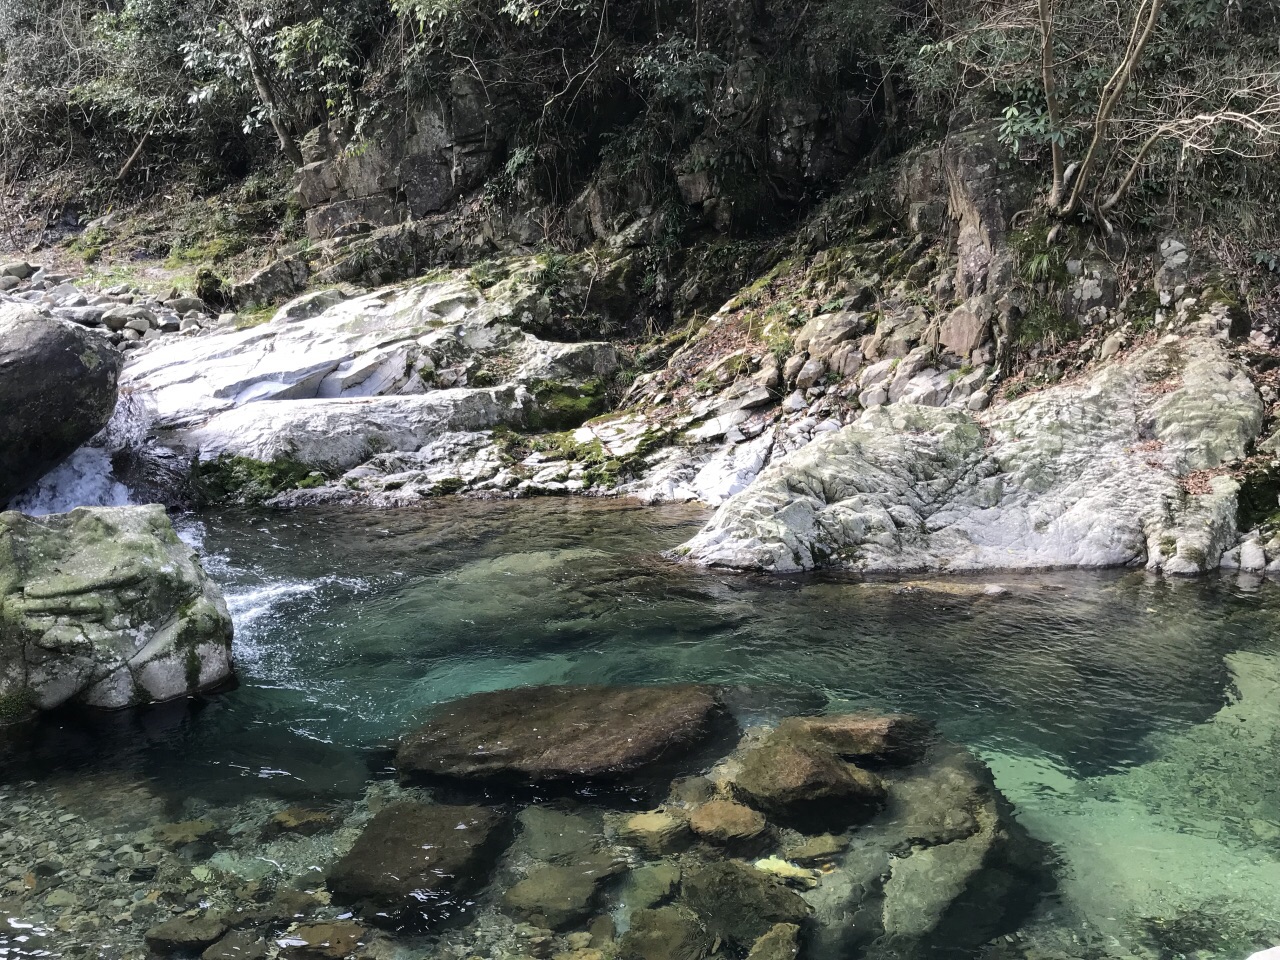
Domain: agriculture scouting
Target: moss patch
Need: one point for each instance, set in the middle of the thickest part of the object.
(230, 479)
(16, 706)
(564, 406)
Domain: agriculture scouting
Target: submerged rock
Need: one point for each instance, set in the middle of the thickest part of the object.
(886, 738)
(57, 389)
(1083, 474)
(741, 904)
(728, 824)
(667, 933)
(416, 865)
(946, 865)
(803, 782)
(560, 897)
(780, 943)
(105, 607)
(184, 934)
(547, 734)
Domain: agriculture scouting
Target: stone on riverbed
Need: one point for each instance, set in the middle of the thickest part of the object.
(57, 389)
(667, 933)
(547, 734)
(184, 934)
(739, 903)
(560, 897)
(802, 782)
(105, 607)
(886, 738)
(415, 865)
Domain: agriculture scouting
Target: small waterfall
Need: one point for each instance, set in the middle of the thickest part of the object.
(87, 478)
(82, 480)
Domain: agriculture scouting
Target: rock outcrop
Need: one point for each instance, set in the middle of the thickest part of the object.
(105, 607)
(548, 734)
(408, 382)
(57, 389)
(1085, 474)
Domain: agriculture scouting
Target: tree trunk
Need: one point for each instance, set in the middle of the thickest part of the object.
(267, 94)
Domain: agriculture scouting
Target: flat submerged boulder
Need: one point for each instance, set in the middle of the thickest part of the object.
(106, 607)
(549, 734)
(416, 864)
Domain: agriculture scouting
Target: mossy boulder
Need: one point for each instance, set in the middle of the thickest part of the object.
(105, 607)
(57, 389)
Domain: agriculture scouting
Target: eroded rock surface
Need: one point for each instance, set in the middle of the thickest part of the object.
(1085, 474)
(560, 733)
(408, 381)
(105, 607)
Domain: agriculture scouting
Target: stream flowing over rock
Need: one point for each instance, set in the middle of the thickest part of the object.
(107, 608)
(1085, 474)
(57, 389)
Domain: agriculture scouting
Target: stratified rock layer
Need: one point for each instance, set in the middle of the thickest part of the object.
(560, 733)
(57, 389)
(1086, 474)
(105, 607)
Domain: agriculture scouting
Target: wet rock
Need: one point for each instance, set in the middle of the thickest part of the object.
(800, 781)
(727, 823)
(887, 738)
(561, 897)
(817, 850)
(186, 831)
(650, 885)
(667, 933)
(417, 864)
(57, 389)
(106, 607)
(185, 934)
(556, 836)
(239, 945)
(739, 903)
(657, 832)
(301, 821)
(322, 941)
(788, 873)
(780, 943)
(560, 733)
(946, 863)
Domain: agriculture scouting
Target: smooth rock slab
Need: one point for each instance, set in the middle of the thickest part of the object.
(106, 607)
(546, 734)
(416, 864)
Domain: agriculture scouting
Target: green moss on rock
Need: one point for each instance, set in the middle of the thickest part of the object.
(233, 479)
(564, 406)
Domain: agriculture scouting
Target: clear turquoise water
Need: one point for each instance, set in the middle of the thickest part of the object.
(1134, 722)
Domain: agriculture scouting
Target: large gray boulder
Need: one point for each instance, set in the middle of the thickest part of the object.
(104, 607)
(1085, 474)
(57, 389)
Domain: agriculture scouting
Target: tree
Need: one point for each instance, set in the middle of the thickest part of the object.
(1109, 89)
